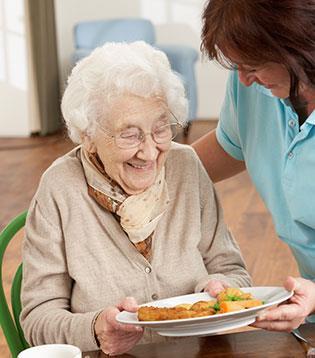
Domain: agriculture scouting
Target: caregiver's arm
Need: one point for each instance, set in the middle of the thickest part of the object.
(218, 163)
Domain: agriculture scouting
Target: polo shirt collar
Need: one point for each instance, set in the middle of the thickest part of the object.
(311, 118)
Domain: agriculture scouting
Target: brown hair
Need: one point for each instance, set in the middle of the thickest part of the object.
(261, 31)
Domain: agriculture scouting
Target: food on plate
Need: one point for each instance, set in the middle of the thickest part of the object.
(228, 300)
(203, 305)
(233, 294)
(231, 306)
(148, 313)
(184, 305)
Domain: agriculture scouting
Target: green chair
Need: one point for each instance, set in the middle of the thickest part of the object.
(11, 325)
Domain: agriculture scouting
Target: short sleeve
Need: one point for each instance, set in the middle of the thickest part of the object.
(227, 131)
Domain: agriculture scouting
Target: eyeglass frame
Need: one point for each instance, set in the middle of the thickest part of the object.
(143, 135)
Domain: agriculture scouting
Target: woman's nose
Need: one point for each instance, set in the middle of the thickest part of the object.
(246, 77)
(148, 149)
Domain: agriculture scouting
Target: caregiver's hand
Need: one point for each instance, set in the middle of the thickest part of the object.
(291, 314)
(215, 286)
(116, 338)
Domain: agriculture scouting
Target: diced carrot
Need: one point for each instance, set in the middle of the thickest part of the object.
(250, 303)
(231, 306)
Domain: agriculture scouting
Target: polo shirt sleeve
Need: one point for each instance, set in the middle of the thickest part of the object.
(227, 131)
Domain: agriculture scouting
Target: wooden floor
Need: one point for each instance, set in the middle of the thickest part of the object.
(22, 161)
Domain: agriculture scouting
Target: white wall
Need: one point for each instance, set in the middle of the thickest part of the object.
(176, 21)
(14, 112)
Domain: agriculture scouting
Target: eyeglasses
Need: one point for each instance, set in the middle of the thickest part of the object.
(132, 137)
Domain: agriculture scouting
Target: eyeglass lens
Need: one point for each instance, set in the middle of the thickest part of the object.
(132, 137)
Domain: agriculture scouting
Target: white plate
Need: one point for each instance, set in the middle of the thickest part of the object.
(209, 324)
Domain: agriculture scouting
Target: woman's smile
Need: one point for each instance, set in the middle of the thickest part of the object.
(142, 166)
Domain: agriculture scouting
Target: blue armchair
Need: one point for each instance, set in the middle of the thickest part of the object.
(91, 34)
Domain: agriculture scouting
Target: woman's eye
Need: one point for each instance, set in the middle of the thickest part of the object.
(129, 134)
(163, 131)
(247, 69)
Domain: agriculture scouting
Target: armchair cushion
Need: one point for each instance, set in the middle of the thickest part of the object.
(80, 53)
(182, 60)
(91, 34)
(180, 56)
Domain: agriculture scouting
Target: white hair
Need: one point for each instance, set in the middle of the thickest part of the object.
(112, 71)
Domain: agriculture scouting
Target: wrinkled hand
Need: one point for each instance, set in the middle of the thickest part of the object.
(292, 313)
(215, 286)
(116, 338)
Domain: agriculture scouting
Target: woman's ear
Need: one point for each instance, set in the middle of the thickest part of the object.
(88, 144)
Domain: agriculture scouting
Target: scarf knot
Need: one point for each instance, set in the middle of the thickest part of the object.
(139, 214)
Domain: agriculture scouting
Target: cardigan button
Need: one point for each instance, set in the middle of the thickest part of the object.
(148, 269)
(154, 296)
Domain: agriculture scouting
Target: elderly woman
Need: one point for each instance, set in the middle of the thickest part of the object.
(113, 223)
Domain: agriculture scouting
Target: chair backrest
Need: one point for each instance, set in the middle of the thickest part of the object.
(91, 34)
(10, 325)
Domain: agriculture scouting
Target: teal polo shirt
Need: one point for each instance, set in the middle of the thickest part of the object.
(263, 131)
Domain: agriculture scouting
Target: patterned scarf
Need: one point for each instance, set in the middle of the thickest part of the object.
(138, 214)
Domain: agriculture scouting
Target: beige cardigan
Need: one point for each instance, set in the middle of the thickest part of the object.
(78, 260)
